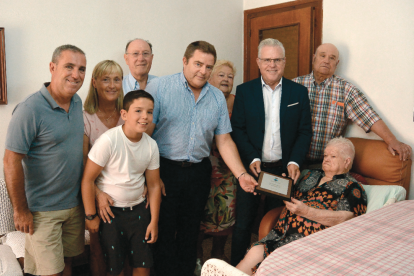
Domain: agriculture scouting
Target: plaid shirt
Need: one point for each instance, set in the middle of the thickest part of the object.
(332, 102)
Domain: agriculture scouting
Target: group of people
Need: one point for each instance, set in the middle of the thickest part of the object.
(151, 160)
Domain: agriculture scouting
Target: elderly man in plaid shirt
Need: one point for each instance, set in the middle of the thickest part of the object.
(333, 100)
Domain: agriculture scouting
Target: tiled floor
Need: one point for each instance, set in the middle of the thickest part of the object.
(83, 270)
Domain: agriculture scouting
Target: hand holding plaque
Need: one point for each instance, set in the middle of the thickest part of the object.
(274, 185)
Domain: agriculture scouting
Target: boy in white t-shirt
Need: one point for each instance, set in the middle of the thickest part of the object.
(117, 163)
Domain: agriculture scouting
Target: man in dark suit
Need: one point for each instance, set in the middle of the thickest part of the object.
(272, 130)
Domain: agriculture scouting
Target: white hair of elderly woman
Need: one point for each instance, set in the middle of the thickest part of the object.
(223, 62)
(345, 147)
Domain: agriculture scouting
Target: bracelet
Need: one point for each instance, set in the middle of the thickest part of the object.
(240, 175)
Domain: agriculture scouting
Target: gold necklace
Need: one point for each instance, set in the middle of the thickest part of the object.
(109, 116)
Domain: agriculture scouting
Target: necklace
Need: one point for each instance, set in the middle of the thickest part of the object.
(109, 116)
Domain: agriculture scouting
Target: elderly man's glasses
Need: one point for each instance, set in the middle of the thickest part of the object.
(144, 54)
(268, 61)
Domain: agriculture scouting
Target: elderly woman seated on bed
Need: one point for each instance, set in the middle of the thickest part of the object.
(322, 198)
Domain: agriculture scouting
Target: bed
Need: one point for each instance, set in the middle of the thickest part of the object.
(378, 243)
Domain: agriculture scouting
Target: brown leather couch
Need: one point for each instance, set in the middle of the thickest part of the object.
(374, 162)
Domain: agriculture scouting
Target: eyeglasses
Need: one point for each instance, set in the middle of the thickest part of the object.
(144, 54)
(268, 61)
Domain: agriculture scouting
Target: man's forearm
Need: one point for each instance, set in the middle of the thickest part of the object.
(230, 155)
(381, 129)
(88, 196)
(14, 177)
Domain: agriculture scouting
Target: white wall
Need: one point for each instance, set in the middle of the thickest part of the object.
(101, 28)
(375, 40)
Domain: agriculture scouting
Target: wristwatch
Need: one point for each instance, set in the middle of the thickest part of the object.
(90, 217)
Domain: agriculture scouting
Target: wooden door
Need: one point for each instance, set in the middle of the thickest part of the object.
(296, 24)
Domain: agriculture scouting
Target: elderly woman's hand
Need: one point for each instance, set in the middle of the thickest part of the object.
(103, 201)
(297, 207)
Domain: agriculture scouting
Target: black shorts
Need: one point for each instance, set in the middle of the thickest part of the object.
(125, 236)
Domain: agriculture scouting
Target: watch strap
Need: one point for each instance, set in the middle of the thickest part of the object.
(90, 217)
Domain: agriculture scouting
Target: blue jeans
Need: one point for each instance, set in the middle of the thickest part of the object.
(246, 212)
(187, 190)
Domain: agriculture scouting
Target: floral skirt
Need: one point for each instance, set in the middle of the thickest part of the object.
(219, 213)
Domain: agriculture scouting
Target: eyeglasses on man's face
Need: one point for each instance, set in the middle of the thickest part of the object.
(268, 61)
(137, 54)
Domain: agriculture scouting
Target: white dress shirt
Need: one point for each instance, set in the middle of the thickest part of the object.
(272, 145)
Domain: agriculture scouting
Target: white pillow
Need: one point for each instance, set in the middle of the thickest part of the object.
(8, 263)
(381, 195)
(16, 240)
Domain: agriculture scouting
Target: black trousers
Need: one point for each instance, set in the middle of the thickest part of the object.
(187, 190)
(247, 205)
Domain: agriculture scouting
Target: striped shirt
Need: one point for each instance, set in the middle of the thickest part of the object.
(332, 102)
(129, 83)
(185, 128)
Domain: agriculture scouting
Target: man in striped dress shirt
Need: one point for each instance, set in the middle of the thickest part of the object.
(188, 114)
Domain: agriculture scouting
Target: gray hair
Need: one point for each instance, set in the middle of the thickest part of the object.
(270, 42)
(345, 147)
(67, 47)
(129, 42)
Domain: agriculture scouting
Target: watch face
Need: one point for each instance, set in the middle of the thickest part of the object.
(90, 217)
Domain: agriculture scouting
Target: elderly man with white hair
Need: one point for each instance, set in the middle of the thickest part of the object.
(138, 56)
(321, 199)
(334, 101)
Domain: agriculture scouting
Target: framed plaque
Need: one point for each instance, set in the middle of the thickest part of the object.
(274, 185)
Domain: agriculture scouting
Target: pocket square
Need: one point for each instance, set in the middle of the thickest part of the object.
(293, 104)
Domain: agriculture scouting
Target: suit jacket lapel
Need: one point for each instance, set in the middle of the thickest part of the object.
(260, 109)
(285, 99)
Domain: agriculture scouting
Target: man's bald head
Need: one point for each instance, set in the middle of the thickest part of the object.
(138, 56)
(325, 61)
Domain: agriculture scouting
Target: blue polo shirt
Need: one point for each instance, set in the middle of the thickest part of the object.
(185, 128)
(51, 140)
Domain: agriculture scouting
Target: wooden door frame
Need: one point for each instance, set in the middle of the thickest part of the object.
(288, 6)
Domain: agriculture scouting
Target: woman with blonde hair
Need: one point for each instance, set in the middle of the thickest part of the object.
(101, 112)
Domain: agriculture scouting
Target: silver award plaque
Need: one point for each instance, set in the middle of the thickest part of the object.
(274, 185)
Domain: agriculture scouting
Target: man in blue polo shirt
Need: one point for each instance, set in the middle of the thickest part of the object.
(188, 114)
(43, 167)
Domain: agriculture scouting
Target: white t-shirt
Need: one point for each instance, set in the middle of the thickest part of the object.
(124, 163)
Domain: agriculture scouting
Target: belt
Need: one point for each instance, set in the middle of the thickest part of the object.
(182, 164)
(129, 208)
(272, 164)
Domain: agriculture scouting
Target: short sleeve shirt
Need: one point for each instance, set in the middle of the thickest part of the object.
(185, 128)
(332, 103)
(51, 140)
(124, 164)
